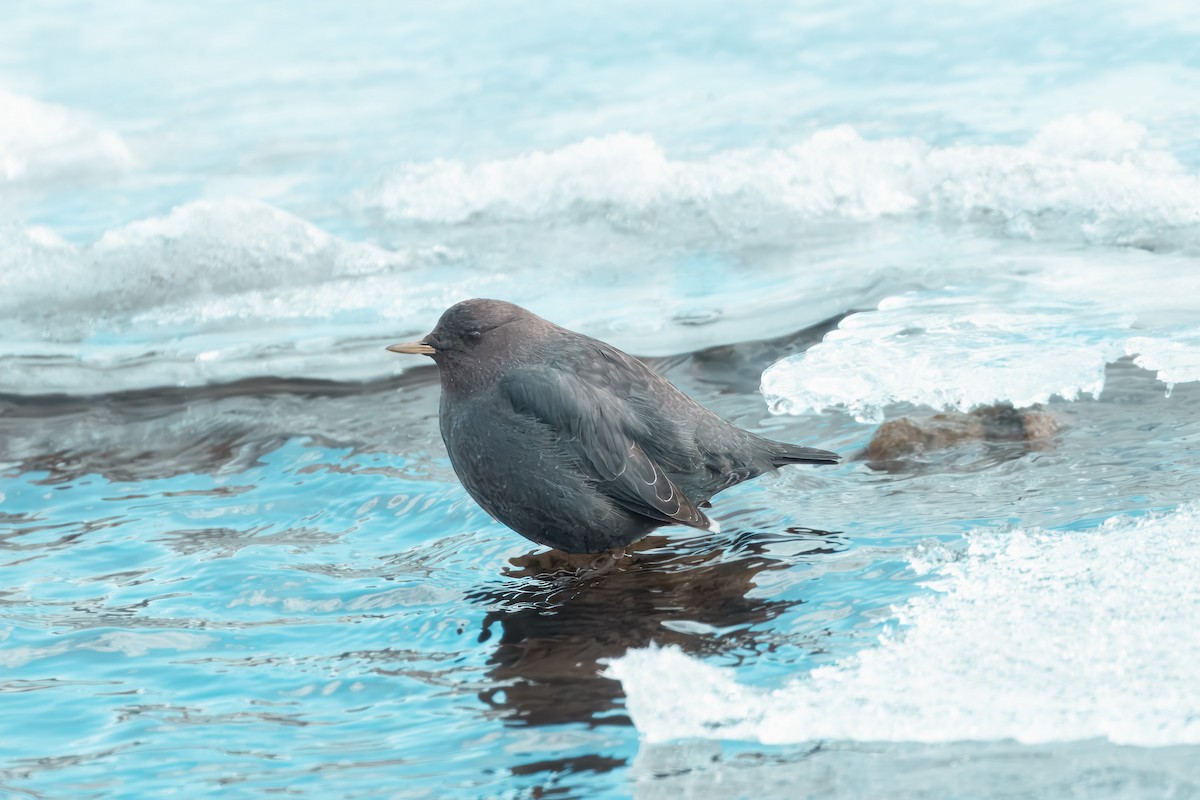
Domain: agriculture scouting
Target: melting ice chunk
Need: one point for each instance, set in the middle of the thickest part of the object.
(952, 350)
(1035, 636)
(1175, 359)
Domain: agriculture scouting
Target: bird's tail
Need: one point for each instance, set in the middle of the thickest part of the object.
(795, 454)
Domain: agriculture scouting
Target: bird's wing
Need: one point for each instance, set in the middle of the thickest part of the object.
(593, 425)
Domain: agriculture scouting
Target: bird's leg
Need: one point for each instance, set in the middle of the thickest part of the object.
(604, 562)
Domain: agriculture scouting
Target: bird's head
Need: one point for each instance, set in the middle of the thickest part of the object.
(473, 330)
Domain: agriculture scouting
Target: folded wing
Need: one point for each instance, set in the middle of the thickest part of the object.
(597, 429)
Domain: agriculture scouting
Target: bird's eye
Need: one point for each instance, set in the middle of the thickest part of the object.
(474, 335)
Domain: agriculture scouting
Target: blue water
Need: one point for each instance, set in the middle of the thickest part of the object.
(233, 555)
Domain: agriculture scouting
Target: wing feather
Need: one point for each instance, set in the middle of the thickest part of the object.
(598, 430)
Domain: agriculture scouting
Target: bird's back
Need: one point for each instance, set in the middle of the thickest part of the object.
(701, 452)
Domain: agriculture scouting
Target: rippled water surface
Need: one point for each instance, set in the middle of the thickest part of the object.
(234, 557)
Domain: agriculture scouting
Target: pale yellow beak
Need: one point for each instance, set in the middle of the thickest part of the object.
(412, 348)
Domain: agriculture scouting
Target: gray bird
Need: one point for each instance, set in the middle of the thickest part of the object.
(574, 444)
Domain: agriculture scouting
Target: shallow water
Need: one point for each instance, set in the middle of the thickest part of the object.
(234, 556)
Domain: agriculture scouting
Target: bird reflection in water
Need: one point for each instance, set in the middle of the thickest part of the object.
(560, 615)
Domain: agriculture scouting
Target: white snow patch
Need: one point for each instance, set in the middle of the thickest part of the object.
(1093, 178)
(43, 141)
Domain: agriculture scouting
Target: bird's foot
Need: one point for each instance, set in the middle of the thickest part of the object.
(604, 562)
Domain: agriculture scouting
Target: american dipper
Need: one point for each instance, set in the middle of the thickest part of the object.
(574, 444)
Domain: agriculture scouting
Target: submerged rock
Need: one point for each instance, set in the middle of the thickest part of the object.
(899, 438)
